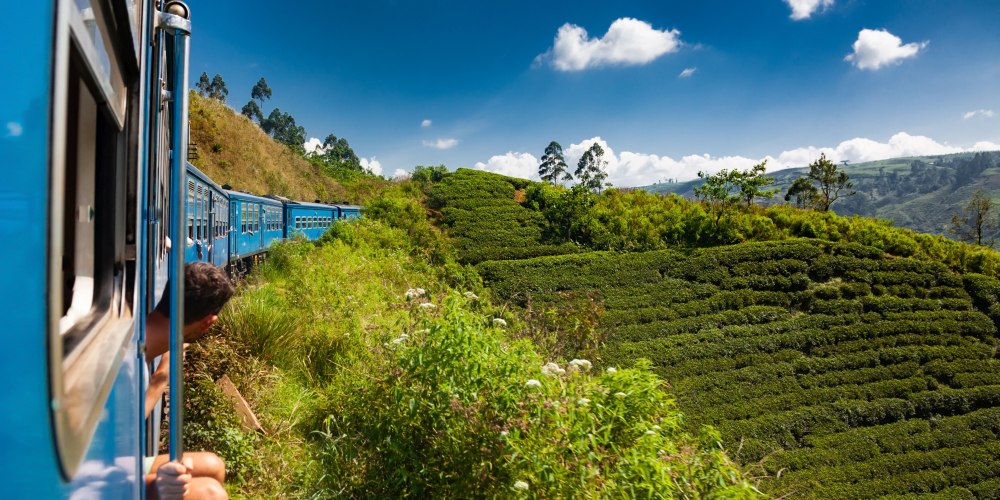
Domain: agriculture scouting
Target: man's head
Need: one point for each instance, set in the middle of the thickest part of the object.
(206, 291)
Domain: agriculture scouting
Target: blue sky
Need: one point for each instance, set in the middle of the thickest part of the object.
(668, 87)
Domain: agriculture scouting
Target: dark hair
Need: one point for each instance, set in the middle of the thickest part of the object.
(206, 290)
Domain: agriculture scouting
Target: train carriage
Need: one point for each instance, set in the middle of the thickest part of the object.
(308, 219)
(348, 212)
(207, 212)
(255, 224)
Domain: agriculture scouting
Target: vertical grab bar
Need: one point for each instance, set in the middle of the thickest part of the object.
(175, 19)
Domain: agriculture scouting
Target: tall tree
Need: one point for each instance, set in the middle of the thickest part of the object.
(590, 169)
(803, 191)
(833, 182)
(553, 168)
(751, 183)
(260, 91)
(976, 222)
(718, 193)
(218, 89)
(338, 151)
(282, 127)
(252, 111)
(204, 86)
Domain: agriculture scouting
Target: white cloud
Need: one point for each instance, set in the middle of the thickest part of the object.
(426, 123)
(804, 9)
(400, 174)
(444, 143)
(523, 165)
(985, 146)
(687, 72)
(14, 129)
(374, 166)
(876, 48)
(628, 42)
(637, 169)
(985, 113)
(314, 145)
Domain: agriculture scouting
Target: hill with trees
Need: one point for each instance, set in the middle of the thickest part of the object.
(838, 357)
(919, 193)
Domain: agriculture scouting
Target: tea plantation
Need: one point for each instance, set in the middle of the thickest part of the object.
(486, 222)
(832, 370)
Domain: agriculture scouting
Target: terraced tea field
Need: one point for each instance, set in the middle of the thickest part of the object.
(833, 370)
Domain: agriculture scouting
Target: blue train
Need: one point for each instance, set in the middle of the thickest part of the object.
(99, 210)
(226, 226)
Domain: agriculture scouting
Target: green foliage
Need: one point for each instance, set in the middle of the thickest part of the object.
(260, 91)
(553, 168)
(591, 169)
(218, 90)
(803, 191)
(429, 174)
(252, 111)
(282, 128)
(833, 183)
(976, 222)
(460, 409)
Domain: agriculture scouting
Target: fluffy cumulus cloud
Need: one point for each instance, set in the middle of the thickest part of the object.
(400, 174)
(629, 168)
(687, 72)
(426, 123)
(443, 143)
(372, 165)
(877, 48)
(804, 9)
(628, 42)
(314, 145)
(523, 165)
(985, 113)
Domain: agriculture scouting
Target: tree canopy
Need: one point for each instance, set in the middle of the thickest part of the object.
(590, 170)
(553, 168)
(833, 182)
(260, 91)
(282, 127)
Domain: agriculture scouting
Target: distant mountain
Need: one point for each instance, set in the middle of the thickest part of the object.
(919, 193)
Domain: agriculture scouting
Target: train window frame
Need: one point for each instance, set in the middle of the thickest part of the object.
(89, 310)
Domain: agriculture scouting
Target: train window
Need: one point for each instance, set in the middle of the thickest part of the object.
(87, 299)
(298, 223)
(190, 209)
(243, 217)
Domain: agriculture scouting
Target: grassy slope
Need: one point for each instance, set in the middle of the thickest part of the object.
(234, 150)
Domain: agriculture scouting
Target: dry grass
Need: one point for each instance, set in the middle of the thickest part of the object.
(234, 150)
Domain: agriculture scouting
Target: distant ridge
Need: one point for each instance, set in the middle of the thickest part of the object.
(915, 192)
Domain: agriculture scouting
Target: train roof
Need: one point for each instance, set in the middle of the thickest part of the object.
(236, 195)
(349, 207)
(306, 204)
(204, 178)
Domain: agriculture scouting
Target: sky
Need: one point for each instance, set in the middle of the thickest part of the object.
(668, 88)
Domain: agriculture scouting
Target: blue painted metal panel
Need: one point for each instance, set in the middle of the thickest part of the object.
(26, 441)
(247, 237)
(207, 240)
(311, 220)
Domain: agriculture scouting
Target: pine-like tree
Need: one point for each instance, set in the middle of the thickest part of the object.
(252, 111)
(204, 86)
(553, 168)
(260, 92)
(590, 169)
(218, 89)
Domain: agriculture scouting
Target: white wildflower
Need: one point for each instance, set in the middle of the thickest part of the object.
(551, 369)
(499, 322)
(398, 341)
(583, 402)
(503, 434)
(414, 293)
(404, 336)
(656, 427)
(427, 306)
(620, 395)
(471, 296)
(650, 433)
(612, 369)
(532, 383)
(581, 364)
(521, 486)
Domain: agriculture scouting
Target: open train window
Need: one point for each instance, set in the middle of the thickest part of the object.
(190, 209)
(90, 311)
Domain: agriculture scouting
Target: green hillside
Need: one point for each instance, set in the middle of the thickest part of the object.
(839, 357)
(919, 193)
